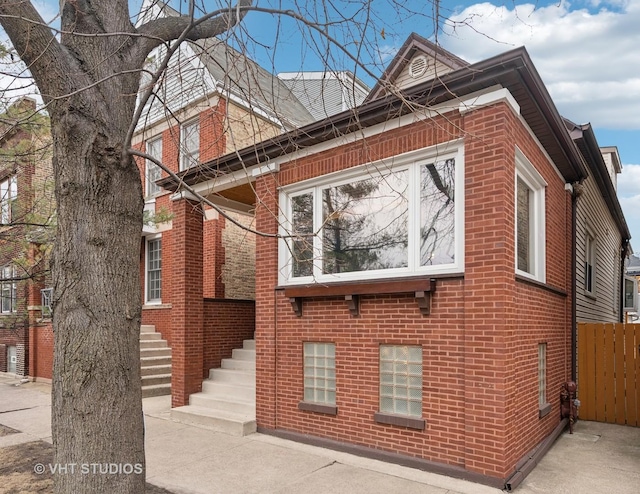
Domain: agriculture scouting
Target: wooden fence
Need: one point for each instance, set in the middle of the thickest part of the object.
(609, 372)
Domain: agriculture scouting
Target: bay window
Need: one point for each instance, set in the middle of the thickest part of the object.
(386, 219)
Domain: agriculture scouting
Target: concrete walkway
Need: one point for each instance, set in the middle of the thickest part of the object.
(598, 459)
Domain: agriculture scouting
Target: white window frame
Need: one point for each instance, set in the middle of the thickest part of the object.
(412, 162)
(189, 157)
(537, 233)
(8, 282)
(152, 171)
(148, 240)
(400, 381)
(319, 372)
(630, 300)
(8, 196)
(590, 260)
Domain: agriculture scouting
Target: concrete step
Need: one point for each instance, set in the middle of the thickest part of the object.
(150, 336)
(144, 344)
(217, 420)
(154, 361)
(153, 370)
(147, 328)
(156, 390)
(229, 390)
(230, 363)
(152, 380)
(155, 352)
(230, 404)
(249, 345)
(242, 354)
(233, 376)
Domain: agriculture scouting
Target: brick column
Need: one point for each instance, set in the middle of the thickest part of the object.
(187, 301)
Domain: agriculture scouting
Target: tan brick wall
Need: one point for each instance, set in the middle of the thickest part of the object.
(239, 269)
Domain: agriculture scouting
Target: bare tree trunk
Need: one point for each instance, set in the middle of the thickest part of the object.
(97, 418)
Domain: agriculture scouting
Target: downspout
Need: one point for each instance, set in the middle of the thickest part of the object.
(576, 192)
(623, 257)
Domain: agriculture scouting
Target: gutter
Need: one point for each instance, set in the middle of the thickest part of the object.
(577, 191)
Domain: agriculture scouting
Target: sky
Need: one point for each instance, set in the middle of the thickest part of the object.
(586, 51)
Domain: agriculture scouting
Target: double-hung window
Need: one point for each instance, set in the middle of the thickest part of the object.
(393, 218)
(153, 171)
(154, 270)
(530, 220)
(189, 144)
(8, 196)
(8, 289)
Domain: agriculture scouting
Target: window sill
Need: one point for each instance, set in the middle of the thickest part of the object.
(544, 410)
(351, 291)
(149, 306)
(401, 420)
(318, 408)
(590, 295)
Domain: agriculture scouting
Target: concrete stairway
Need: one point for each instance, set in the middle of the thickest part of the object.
(155, 363)
(227, 402)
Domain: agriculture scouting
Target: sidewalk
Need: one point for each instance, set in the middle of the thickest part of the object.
(186, 459)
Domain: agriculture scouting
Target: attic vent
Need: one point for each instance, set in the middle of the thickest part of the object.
(418, 67)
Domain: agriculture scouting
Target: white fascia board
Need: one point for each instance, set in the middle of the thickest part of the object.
(224, 182)
(495, 94)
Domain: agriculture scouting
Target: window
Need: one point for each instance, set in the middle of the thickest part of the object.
(8, 289)
(630, 302)
(530, 220)
(320, 373)
(154, 270)
(190, 144)
(401, 380)
(153, 171)
(376, 221)
(8, 196)
(46, 301)
(590, 265)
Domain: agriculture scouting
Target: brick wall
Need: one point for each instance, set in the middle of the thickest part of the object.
(239, 269)
(226, 324)
(41, 350)
(480, 343)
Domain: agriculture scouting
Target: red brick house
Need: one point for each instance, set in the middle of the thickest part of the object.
(27, 225)
(414, 273)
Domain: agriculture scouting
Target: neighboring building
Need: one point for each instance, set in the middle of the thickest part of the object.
(26, 231)
(602, 235)
(325, 93)
(418, 303)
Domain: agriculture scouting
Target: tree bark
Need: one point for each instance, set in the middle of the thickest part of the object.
(89, 79)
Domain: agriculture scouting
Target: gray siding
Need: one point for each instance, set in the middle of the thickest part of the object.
(593, 215)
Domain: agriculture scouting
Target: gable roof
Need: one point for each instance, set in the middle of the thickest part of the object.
(234, 75)
(415, 45)
(585, 139)
(512, 70)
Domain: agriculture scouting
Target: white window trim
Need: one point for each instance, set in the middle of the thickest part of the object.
(412, 161)
(185, 158)
(149, 164)
(8, 195)
(634, 306)
(537, 236)
(8, 278)
(146, 269)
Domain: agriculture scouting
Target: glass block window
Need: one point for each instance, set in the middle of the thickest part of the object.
(320, 373)
(154, 270)
(542, 374)
(401, 380)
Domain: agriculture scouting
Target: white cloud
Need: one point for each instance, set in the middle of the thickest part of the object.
(588, 58)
